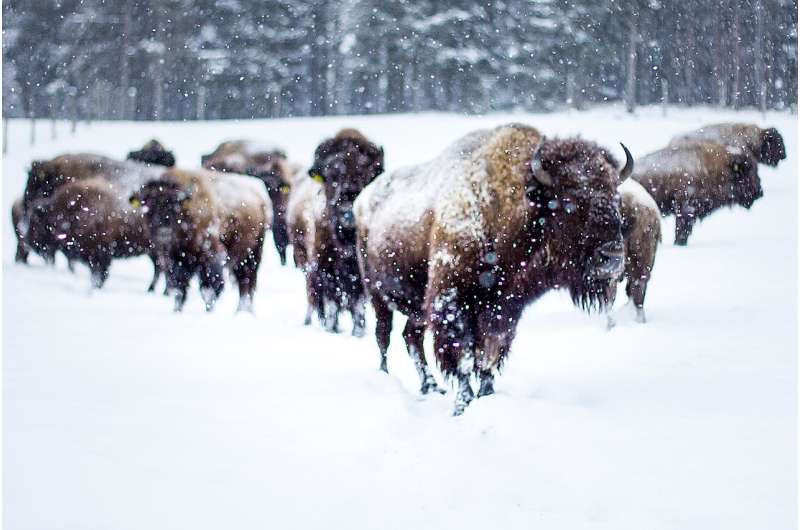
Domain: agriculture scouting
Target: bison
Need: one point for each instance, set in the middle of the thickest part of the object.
(89, 222)
(200, 222)
(766, 145)
(46, 177)
(641, 228)
(342, 165)
(693, 180)
(266, 163)
(153, 153)
(461, 244)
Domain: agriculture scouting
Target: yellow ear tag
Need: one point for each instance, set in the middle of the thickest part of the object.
(318, 178)
(135, 203)
(284, 189)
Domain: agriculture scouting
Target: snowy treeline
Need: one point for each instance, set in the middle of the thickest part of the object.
(187, 59)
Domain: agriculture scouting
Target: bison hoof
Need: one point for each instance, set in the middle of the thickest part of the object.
(464, 396)
(358, 331)
(429, 385)
(383, 367)
(610, 323)
(640, 317)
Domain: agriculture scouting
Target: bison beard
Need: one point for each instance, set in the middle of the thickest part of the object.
(503, 217)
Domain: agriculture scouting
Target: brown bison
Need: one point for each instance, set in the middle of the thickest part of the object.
(463, 243)
(692, 180)
(19, 222)
(766, 145)
(46, 177)
(266, 163)
(88, 222)
(343, 165)
(641, 228)
(153, 153)
(200, 222)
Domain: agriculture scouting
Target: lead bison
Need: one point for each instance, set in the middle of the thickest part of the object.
(463, 243)
(766, 145)
(343, 166)
(693, 180)
(270, 165)
(153, 153)
(198, 223)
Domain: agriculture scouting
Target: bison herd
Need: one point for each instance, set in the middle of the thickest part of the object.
(459, 244)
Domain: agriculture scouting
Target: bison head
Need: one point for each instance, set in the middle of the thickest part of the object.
(773, 149)
(40, 184)
(573, 191)
(344, 165)
(745, 184)
(271, 170)
(153, 153)
(161, 202)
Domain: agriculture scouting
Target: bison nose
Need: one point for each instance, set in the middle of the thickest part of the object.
(609, 260)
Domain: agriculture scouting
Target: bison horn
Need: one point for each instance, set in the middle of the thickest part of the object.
(628, 169)
(542, 176)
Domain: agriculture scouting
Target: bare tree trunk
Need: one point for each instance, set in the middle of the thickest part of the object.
(201, 104)
(737, 56)
(158, 67)
(125, 73)
(758, 55)
(5, 135)
(630, 84)
(664, 96)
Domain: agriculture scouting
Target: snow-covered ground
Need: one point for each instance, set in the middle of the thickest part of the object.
(119, 414)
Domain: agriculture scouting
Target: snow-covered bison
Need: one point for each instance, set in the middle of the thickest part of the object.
(343, 165)
(641, 228)
(766, 145)
(463, 243)
(48, 227)
(153, 153)
(694, 179)
(89, 221)
(266, 163)
(199, 222)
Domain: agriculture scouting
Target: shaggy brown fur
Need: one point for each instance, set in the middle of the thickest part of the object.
(153, 153)
(18, 221)
(268, 164)
(766, 145)
(693, 180)
(45, 176)
(343, 164)
(641, 228)
(463, 243)
(200, 222)
(87, 221)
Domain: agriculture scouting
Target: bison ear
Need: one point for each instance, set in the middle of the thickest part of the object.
(626, 171)
(539, 173)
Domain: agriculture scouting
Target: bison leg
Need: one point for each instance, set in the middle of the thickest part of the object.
(383, 328)
(212, 282)
(487, 383)
(156, 274)
(683, 229)
(453, 324)
(99, 274)
(280, 236)
(178, 277)
(22, 253)
(330, 311)
(414, 334)
(636, 291)
(358, 308)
